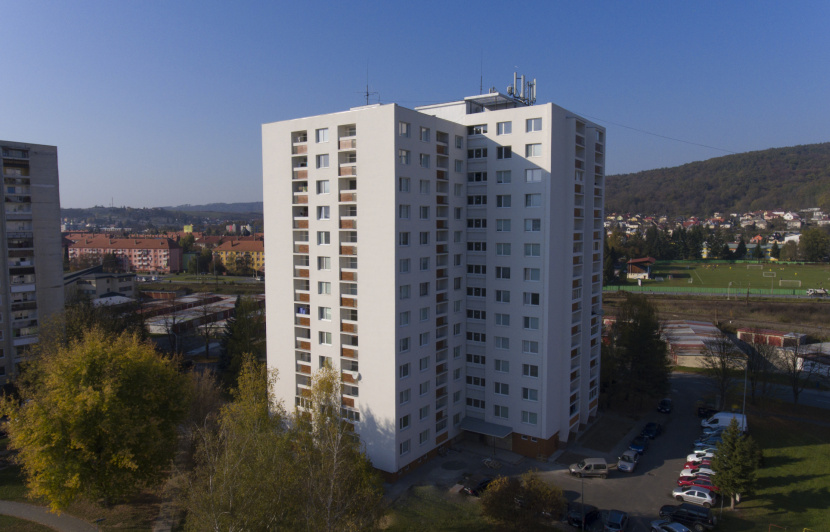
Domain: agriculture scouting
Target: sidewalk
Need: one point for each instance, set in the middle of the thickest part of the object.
(41, 514)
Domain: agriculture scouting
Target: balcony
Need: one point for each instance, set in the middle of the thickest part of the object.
(348, 224)
(300, 344)
(441, 174)
(350, 328)
(348, 197)
(301, 272)
(300, 199)
(299, 149)
(300, 173)
(348, 276)
(347, 144)
(302, 368)
(348, 302)
(348, 352)
(347, 170)
(348, 250)
(441, 149)
(304, 298)
(301, 248)
(302, 322)
(300, 224)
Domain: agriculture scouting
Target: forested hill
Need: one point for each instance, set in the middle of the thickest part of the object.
(776, 179)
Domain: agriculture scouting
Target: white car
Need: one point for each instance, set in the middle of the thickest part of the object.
(628, 461)
(696, 471)
(702, 455)
(661, 525)
(695, 495)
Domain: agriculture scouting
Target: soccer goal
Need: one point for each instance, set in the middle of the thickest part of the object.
(789, 283)
(769, 274)
(754, 266)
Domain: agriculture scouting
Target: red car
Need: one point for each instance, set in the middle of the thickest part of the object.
(700, 481)
(694, 464)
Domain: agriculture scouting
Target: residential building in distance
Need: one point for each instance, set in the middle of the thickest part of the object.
(31, 254)
(236, 254)
(151, 255)
(93, 283)
(447, 260)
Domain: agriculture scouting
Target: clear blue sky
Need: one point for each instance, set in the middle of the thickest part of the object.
(158, 103)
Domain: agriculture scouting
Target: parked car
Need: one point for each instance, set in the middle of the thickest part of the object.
(664, 406)
(695, 495)
(582, 515)
(476, 485)
(704, 449)
(706, 411)
(700, 481)
(702, 454)
(687, 480)
(707, 441)
(628, 461)
(692, 516)
(661, 525)
(652, 430)
(696, 471)
(723, 419)
(713, 431)
(692, 464)
(590, 467)
(616, 521)
(639, 444)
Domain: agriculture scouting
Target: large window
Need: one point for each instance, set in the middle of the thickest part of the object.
(404, 129)
(323, 212)
(425, 134)
(533, 175)
(403, 211)
(530, 323)
(533, 124)
(533, 200)
(322, 187)
(424, 160)
(533, 274)
(502, 272)
(477, 130)
(530, 370)
(502, 388)
(529, 417)
(324, 338)
(324, 313)
(502, 249)
(533, 150)
(533, 250)
(323, 238)
(323, 263)
(533, 225)
(503, 201)
(322, 135)
(404, 156)
(530, 394)
(504, 128)
(477, 153)
(502, 225)
(504, 152)
(503, 177)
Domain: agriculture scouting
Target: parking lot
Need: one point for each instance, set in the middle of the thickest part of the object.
(640, 494)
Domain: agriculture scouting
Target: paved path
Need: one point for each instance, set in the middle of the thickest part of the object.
(42, 515)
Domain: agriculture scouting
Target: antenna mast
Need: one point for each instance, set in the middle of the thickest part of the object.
(367, 93)
(522, 91)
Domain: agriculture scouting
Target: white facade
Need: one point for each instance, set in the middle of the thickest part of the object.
(465, 259)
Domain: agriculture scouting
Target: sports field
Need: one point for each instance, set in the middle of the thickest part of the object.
(741, 276)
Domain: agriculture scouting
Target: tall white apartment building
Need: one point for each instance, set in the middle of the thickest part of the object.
(31, 284)
(448, 261)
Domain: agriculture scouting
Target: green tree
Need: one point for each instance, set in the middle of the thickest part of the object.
(638, 355)
(609, 262)
(814, 245)
(111, 264)
(758, 252)
(740, 251)
(775, 251)
(720, 361)
(244, 335)
(186, 242)
(522, 502)
(735, 463)
(97, 419)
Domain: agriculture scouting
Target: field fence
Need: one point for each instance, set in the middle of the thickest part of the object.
(704, 291)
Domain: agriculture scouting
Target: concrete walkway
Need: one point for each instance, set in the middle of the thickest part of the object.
(42, 515)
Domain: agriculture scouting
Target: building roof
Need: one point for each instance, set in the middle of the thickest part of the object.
(686, 338)
(244, 245)
(646, 260)
(106, 242)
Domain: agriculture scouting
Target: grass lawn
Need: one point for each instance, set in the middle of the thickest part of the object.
(433, 508)
(20, 525)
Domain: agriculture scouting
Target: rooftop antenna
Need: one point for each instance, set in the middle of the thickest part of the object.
(481, 78)
(526, 93)
(367, 93)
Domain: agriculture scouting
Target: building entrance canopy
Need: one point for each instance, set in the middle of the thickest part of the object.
(479, 426)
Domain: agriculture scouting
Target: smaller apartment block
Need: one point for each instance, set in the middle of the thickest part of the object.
(236, 254)
(151, 255)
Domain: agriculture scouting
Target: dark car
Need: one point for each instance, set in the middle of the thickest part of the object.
(706, 412)
(691, 515)
(639, 444)
(652, 430)
(577, 510)
(616, 521)
(708, 441)
(476, 487)
(664, 406)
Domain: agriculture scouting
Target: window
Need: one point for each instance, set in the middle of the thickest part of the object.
(424, 160)
(473, 291)
(404, 129)
(477, 269)
(476, 359)
(423, 364)
(529, 417)
(404, 156)
(533, 150)
(323, 238)
(459, 165)
(403, 345)
(456, 397)
(423, 437)
(322, 135)
(502, 272)
(424, 134)
(403, 266)
(424, 213)
(477, 130)
(423, 238)
(423, 185)
(530, 323)
(529, 370)
(530, 394)
(423, 339)
(503, 366)
(403, 423)
(323, 263)
(476, 337)
(477, 199)
(502, 342)
(533, 124)
(476, 314)
(456, 329)
(476, 177)
(503, 319)
(533, 250)
(404, 318)
(404, 291)
(533, 175)
(503, 177)
(323, 160)
(323, 212)
(324, 313)
(477, 153)
(502, 388)
(403, 238)
(403, 211)
(530, 298)
(459, 142)
(476, 403)
(504, 152)
(323, 287)
(405, 395)
(533, 274)
(404, 448)
(502, 296)
(530, 347)
(500, 411)
(322, 187)
(503, 201)
(458, 191)
(424, 263)
(403, 370)
(533, 200)
(476, 246)
(456, 283)
(503, 249)
(476, 381)
(423, 388)
(503, 225)
(504, 128)
(456, 374)
(457, 259)
(423, 313)
(457, 236)
(324, 338)
(533, 225)
(403, 184)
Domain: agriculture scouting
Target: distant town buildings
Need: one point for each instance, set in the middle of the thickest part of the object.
(151, 255)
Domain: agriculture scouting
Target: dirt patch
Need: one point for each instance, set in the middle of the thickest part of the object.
(606, 433)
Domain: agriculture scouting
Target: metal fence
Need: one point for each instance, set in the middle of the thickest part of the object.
(704, 291)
